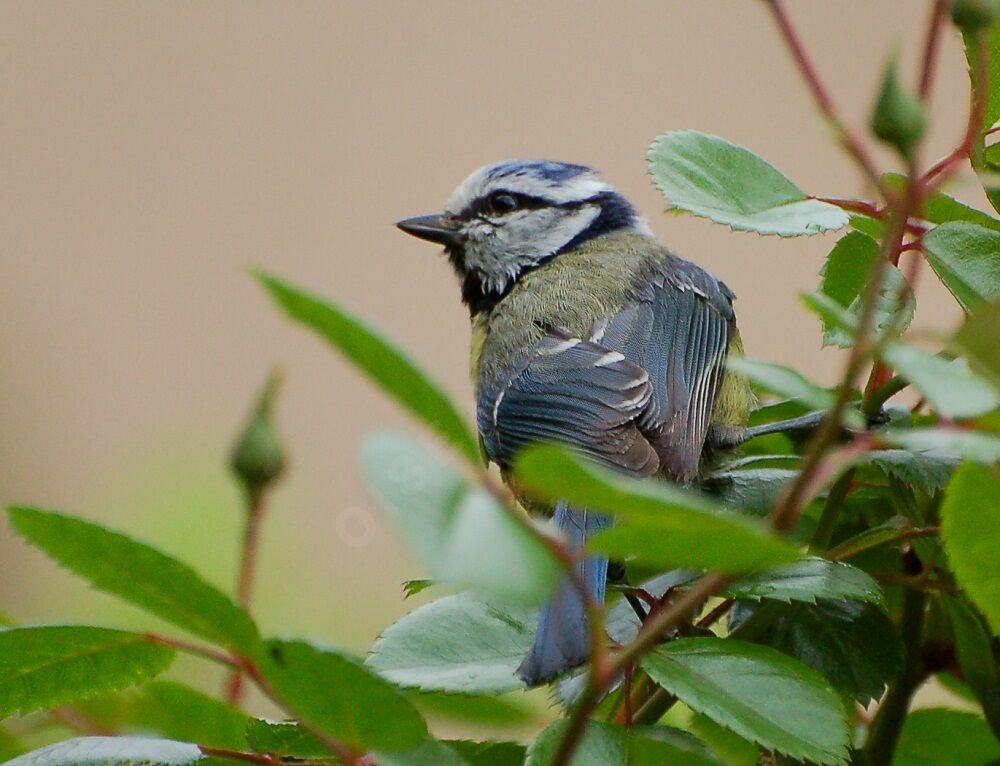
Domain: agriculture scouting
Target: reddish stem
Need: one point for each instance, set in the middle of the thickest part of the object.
(931, 46)
(235, 686)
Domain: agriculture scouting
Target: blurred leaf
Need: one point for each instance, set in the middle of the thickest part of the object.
(377, 358)
(604, 744)
(338, 695)
(978, 446)
(461, 534)
(975, 658)
(430, 752)
(949, 386)
(761, 694)
(979, 340)
(179, 712)
(970, 528)
(478, 708)
(752, 490)
(870, 538)
(714, 179)
(808, 580)
(853, 645)
(990, 171)
(839, 325)
(926, 471)
(728, 745)
(43, 667)
(283, 738)
(783, 381)
(413, 587)
(9, 747)
(458, 643)
(939, 737)
(966, 258)
(138, 574)
(992, 41)
(665, 525)
(489, 753)
(775, 411)
(112, 751)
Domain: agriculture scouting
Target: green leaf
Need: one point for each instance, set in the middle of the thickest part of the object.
(338, 695)
(839, 326)
(949, 386)
(284, 738)
(975, 658)
(430, 752)
(752, 490)
(870, 538)
(966, 258)
(939, 737)
(761, 694)
(604, 744)
(808, 580)
(853, 645)
(940, 208)
(474, 708)
(462, 534)
(112, 751)
(927, 472)
(970, 528)
(179, 712)
(413, 587)
(979, 341)
(489, 753)
(9, 747)
(377, 358)
(714, 179)
(458, 643)
(665, 525)
(139, 574)
(731, 747)
(992, 111)
(43, 667)
(782, 380)
(978, 446)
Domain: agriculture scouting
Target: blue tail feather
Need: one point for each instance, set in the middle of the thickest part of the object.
(562, 640)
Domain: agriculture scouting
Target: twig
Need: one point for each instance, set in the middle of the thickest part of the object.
(248, 567)
(842, 551)
(931, 46)
(238, 755)
(855, 148)
(716, 614)
(831, 511)
(198, 650)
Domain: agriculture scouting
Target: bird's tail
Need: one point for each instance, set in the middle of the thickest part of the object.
(562, 640)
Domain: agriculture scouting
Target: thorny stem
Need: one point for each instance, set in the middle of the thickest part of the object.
(248, 566)
(847, 138)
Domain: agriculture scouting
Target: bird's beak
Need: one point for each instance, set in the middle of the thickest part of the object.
(436, 227)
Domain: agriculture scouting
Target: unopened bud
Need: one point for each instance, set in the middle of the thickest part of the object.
(898, 117)
(258, 457)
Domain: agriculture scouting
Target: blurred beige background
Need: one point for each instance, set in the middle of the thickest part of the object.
(150, 152)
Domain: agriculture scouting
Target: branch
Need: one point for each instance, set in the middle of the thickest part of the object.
(931, 45)
(855, 148)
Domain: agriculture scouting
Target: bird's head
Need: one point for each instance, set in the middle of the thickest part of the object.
(508, 218)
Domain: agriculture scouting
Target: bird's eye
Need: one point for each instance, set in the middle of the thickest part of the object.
(502, 203)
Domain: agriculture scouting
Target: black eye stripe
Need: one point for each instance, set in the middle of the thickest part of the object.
(483, 205)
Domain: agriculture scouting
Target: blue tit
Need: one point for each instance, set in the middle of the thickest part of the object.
(589, 332)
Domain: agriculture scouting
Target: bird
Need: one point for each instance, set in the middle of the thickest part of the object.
(588, 332)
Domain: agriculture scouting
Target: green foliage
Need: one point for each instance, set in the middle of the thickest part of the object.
(179, 712)
(139, 574)
(712, 178)
(284, 738)
(853, 645)
(760, 694)
(112, 751)
(663, 525)
(808, 580)
(458, 643)
(898, 117)
(977, 340)
(385, 365)
(939, 737)
(604, 743)
(337, 695)
(461, 533)
(970, 528)
(43, 667)
(782, 381)
(966, 258)
(975, 658)
(950, 387)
